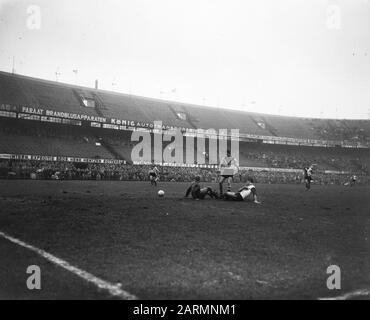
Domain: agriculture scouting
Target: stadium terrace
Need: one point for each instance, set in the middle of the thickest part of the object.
(86, 125)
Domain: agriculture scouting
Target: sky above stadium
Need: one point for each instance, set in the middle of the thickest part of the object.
(306, 58)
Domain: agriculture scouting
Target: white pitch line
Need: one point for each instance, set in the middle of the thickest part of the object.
(354, 294)
(113, 289)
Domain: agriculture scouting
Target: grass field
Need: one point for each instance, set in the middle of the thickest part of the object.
(175, 248)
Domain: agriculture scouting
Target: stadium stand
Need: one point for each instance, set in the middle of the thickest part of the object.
(29, 137)
(86, 138)
(284, 156)
(11, 169)
(29, 92)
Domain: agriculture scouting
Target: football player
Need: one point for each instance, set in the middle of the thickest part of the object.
(197, 192)
(308, 176)
(228, 168)
(153, 175)
(246, 193)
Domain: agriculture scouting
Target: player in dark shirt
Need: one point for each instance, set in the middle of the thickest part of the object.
(197, 192)
(153, 175)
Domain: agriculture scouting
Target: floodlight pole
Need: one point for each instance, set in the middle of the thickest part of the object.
(13, 66)
(75, 71)
(57, 73)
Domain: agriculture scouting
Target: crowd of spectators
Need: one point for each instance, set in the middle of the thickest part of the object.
(26, 169)
(271, 156)
(299, 157)
(340, 131)
(33, 129)
(96, 171)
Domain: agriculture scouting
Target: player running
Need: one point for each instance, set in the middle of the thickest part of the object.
(153, 175)
(228, 168)
(197, 192)
(246, 193)
(353, 180)
(308, 176)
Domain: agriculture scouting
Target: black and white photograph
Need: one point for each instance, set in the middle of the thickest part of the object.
(189, 151)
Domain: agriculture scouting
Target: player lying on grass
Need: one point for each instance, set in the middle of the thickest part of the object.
(197, 192)
(246, 193)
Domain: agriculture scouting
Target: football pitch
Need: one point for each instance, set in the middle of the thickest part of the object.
(119, 240)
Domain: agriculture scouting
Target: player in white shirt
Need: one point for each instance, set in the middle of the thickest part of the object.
(308, 176)
(228, 168)
(246, 193)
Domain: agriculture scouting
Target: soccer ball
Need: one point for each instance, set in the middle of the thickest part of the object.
(161, 193)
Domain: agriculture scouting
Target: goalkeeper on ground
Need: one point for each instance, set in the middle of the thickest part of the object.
(197, 192)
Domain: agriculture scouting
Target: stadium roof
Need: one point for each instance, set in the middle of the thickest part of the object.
(28, 91)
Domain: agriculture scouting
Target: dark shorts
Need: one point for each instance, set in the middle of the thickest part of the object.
(201, 195)
(197, 194)
(227, 177)
(238, 197)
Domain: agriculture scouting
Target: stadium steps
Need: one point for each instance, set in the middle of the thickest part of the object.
(121, 107)
(290, 127)
(21, 90)
(111, 149)
(155, 110)
(269, 128)
(11, 92)
(189, 122)
(31, 99)
(22, 144)
(357, 166)
(244, 123)
(207, 117)
(99, 105)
